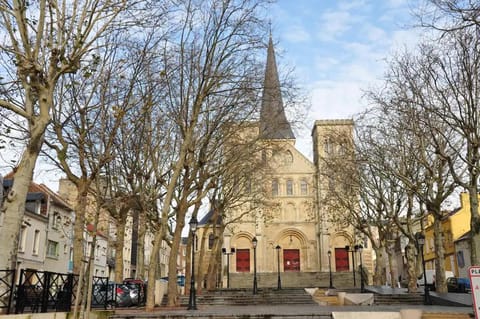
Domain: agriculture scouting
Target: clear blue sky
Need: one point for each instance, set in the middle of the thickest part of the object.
(338, 49)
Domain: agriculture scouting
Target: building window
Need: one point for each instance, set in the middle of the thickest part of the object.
(211, 238)
(275, 191)
(23, 238)
(327, 146)
(36, 242)
(460, 259)
(303, 187)
(289, 187)
(56, 220)
(52, 248)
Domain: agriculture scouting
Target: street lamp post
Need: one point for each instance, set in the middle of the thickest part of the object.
(228, 254)
(279, 281)
(362, 282)
(254, 243)
(420, 243)
(353, 263)
(330, 268)
(192, 302)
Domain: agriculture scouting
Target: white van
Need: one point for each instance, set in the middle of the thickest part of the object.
(430, 273)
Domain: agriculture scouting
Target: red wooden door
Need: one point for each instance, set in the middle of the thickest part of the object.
(243, 260)
(341, 259)
(291, 260)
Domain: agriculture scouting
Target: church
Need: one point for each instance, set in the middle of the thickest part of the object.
(294, 229)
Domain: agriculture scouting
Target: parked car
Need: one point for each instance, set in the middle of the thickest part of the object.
(430, 274)
(138, 290)
(455, 284)
(111, 295)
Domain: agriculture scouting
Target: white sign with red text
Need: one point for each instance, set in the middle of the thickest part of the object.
(474, 274)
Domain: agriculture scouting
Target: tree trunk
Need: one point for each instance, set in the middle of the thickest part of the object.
(214, 262)
(440, 280)
(201, 271)
(79, 227)
(474, 225)
(142, 231)
(392, 263)
(172, 261)
(411, 267)
(121, 222)
(379, 277)
(14, 205)
(152, 267)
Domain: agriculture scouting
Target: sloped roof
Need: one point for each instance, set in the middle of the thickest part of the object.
(207, 219)
(34, 189)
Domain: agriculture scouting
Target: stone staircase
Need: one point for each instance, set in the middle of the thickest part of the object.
(398, 299)
(294, 280)
(264, 296)
(444, 315)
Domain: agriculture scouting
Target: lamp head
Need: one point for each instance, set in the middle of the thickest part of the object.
(254, 242)
(360, 248)
(329, 253)
(278, 247)
(232, 250)
(193, 224)
(224, 250)
(420, 239)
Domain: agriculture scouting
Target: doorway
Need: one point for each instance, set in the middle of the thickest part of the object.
(291, 260)
(243, 260)
(341, 259)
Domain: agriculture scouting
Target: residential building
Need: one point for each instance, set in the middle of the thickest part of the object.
(45, 236)
(455, 230)
(107, 229)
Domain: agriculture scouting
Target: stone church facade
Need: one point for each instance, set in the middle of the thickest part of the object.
(297, 231)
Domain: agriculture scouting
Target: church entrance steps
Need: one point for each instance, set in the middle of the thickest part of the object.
(294, 280)
(246, 297)
(410, 299)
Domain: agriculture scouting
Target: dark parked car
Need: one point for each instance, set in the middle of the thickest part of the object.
(138, 290)
(111, 295)
(455, 284)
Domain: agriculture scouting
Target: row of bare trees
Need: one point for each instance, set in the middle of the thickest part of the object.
(134, 101)
(418, 143)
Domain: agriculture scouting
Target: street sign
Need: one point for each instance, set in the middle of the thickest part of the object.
(474, 274)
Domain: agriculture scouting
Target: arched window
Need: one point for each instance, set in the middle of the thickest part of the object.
(275, 191)
(289, 187)
(211, 238)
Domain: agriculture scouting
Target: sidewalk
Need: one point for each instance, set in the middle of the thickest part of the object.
(262, 311)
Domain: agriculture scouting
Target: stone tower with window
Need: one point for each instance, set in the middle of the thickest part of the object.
(291, 228)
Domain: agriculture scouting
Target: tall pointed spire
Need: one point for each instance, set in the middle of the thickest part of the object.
(273, 122)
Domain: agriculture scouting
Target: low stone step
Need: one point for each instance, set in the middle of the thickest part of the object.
(444, 315)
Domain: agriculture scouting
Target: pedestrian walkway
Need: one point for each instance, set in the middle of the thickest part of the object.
(283, 311)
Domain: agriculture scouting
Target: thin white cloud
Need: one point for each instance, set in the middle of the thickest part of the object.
(333, 24)
(297, 34)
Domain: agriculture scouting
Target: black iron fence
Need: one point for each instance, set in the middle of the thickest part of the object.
(44, 291)
(7, 284)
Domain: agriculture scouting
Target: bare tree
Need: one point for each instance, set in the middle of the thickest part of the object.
(44, 41)
(209, 60)
(449, 15)
(446, 89)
